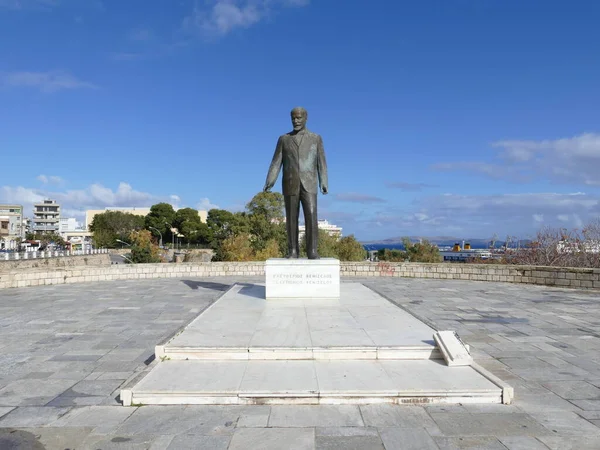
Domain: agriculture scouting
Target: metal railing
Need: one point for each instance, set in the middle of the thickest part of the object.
(15, 256)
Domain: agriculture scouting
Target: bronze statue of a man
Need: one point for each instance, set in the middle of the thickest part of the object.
(302, 156)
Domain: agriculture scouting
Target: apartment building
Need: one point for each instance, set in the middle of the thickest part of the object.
(46, 217)
(11, 226)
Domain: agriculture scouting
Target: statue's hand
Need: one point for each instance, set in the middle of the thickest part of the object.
(267, 188)
(324, 190)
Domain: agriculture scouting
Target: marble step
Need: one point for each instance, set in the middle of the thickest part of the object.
(242, 325)
(315, 382)
(405, 352)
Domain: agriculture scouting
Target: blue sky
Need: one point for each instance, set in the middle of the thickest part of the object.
(439, 117)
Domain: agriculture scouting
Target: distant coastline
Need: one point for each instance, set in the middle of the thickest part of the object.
(380, 246)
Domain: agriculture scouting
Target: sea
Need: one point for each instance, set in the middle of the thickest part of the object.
(401, 247)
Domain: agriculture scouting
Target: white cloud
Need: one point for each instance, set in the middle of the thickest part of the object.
(52, 179)
(484, 215)
(223, 16)
(408, 187)
(355, 197)
(574, 160)
(205, 205)
(75, 202)
(47, 82)
(20, 195)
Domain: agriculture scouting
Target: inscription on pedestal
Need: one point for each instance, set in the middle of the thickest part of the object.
(302, 278)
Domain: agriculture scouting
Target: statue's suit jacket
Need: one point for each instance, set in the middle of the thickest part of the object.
(303, 165)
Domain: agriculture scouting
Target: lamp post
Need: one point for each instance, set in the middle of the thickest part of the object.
(123, 242)
(128, 259)
(158, 231)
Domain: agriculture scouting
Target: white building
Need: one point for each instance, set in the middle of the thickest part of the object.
(11, 226)
(68, 224)
(323, 225)
(46, 217)
(589, 246)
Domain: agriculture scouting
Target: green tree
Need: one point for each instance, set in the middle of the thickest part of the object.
(109, 226)
(188, 222)
(263, 231)
(220, 222)
(159, 216)
(269, 205)
(326, 246)
(224, 224)
(391, 255)
(236, 248)
(265, 221)
(271, 250)
(186, 214)
(349, 249)
(423, 251)
(196, 232)
(143, 249)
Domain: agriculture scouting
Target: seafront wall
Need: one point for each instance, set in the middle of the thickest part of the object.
(549, 276)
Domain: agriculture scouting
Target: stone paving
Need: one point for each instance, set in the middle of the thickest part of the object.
(66, 350)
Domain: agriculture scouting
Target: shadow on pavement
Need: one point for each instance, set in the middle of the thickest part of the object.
(206, 285)
(19, 439)
(252, 290)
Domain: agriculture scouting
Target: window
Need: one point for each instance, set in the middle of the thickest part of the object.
(4, 225)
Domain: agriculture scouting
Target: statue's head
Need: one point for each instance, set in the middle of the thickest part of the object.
(299, 116)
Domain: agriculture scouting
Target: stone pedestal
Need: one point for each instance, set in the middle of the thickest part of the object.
(302, 278)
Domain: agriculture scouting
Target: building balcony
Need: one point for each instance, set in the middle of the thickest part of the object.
(47, 219)
(45, 228)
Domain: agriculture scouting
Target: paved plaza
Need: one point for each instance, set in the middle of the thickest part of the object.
(66, 351)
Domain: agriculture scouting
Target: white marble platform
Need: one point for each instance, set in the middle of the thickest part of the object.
(357, 349)
(302, 278)
(360, 325)
(311, 382)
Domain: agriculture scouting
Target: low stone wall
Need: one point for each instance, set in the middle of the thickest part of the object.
(56, 262)
(199, 255)
(549, 276)
(127, 272)
(119, 251)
